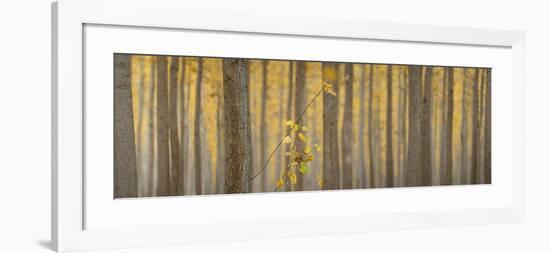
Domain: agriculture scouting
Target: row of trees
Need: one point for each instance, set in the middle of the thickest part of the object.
(191, 126)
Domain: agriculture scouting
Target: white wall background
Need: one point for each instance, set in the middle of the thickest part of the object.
(25, 126)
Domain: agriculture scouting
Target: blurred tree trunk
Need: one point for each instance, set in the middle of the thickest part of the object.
(125, 175)
(263, 127)
(251, 121)
(299, 107)
(180, 181)
(371, 134)
(389, 127)
(426, 131)
(237, 126)
(475, 129)
(487, 146)
(347, 129)
(361, 137)
(139, 130)
(289, 114)
(151, 130)
(404, 127)
(198, 100)
(400, 125)
(330, 127)
(280, 155)
(221, 142)
(173, 117)
(448, 172)
(443, 129)
(464, 132)
(414, 145)
(163, 157)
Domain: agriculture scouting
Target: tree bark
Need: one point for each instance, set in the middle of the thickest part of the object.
(173, 118)
(125, 173)
(487, 147)
(426, 132)
(347, 128)
(330, 127)
(414, 145)
(448, 172)
(163, 167)
(180, 176)
(263, 126)
(299, 107)
(475, 129)
(237, 122)
(464, 132)
(389, 127)
(151, 130)
(198, 100)
(221, 142)
(289, 113)
(361, 137)
(371, 134)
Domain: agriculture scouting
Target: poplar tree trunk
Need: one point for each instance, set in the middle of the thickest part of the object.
(198, 100)
(139, 130)
(263, 126)
(125, 173)
(163, 167)
(371, 134)
(289, 115)
(389, 127)
(443, 129)
(448, 179)
(464, 132)
(280, 155)
(237, 126)
(347, 129)
(299, 106)
(414, 145)
(426, 131)
(330, 129)
(487, 146)
(174, 138)
(475, 130)
(180, 176)
(221, 142)
(151, 130)
(361, 137)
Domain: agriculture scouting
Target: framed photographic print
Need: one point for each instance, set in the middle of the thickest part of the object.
(170, 129)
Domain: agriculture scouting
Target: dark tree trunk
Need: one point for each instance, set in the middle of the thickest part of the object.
(347, 129)
(125, 173)
(448, 169)
(289, 114)
(361, 137)
(151, 131)
(487, 145)
(370, 130)
(414, 144)
(475, 130)
(237, 126)
(263, 126)
(389, 127)
(299, 107)
(330, 129)
(174, 138)
(180, 178)
(198, 100)
(163, 167)
(221, 142)
(426, 131)
(464, 132)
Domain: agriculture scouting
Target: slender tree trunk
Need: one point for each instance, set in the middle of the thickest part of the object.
(163, 171)
(221, 142)
(289, 114)
(400, 131)
(198, 100)
(443, 129)
(263, 126)
(151, 130)
(173, 118)
(389, 127)
(371, 134)
(180, 178)
(414, 145)
(125, 173)
(475, 130)
(280, 154)
(464, 132)
(426, 130)
(347, 129)
(237, 122)
(361, 137)
(330, 129)
(299, 106)
(487, 147)
(405, 129)
(448, 179)
(139, 130)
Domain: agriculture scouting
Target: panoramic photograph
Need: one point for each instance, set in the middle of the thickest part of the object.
(189, 125)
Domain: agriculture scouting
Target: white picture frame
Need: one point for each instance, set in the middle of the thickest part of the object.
(78, 222)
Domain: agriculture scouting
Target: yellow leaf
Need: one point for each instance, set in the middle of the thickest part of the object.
(287, 140)
(280, 183)
(307, 149)
(304, 128)
(302, 137)
(317, 147)
(289, 123)
(293, 178)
